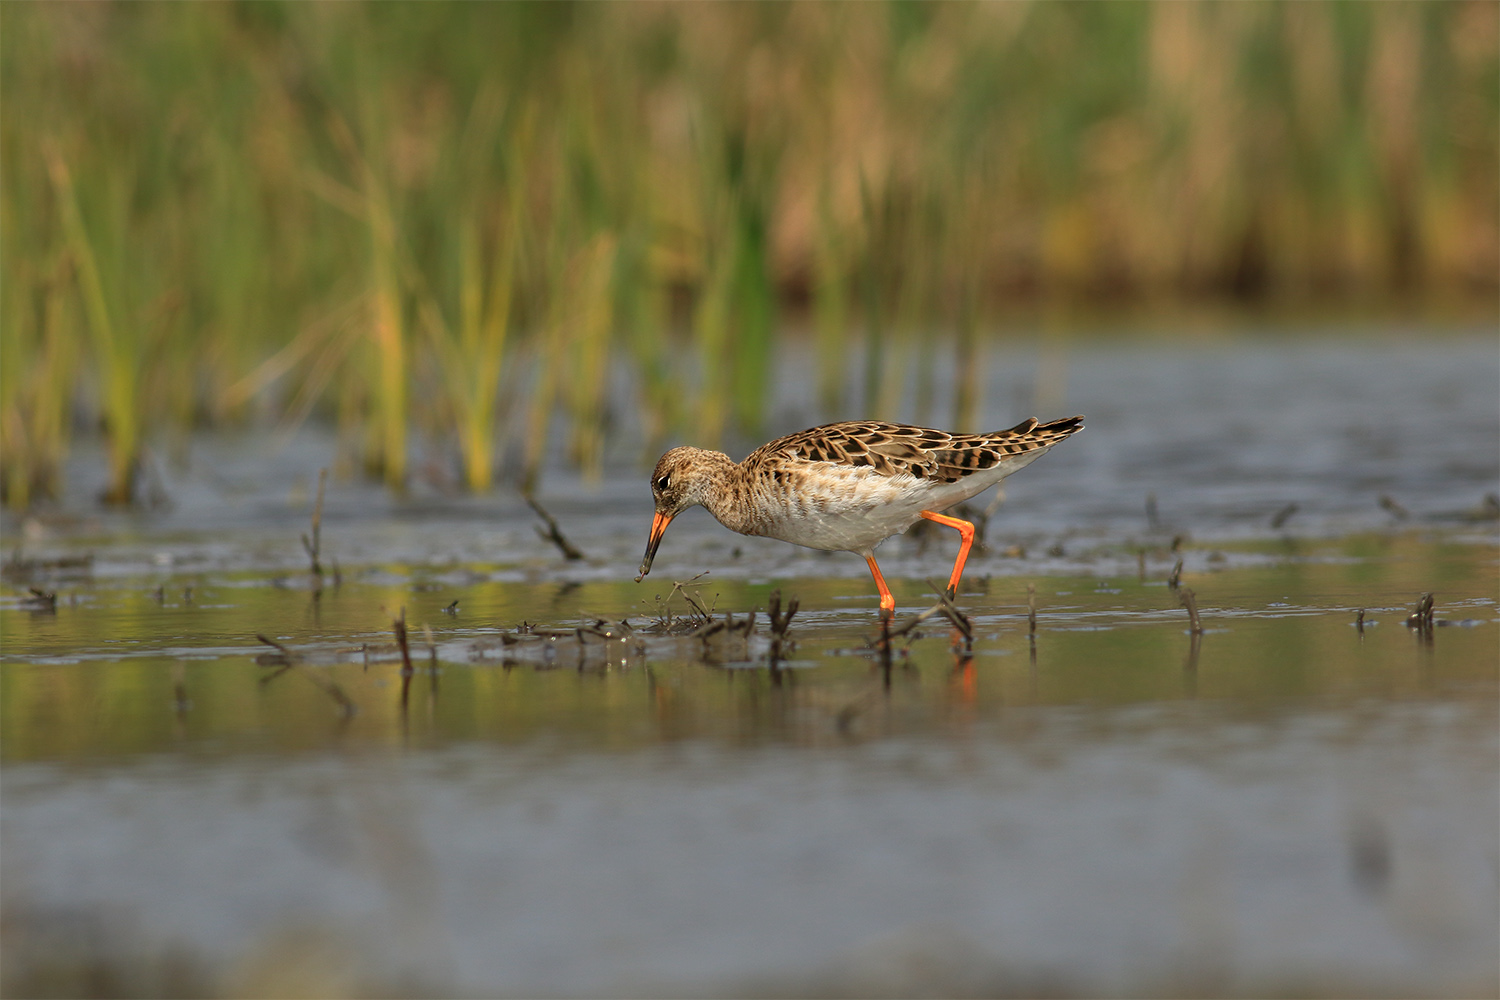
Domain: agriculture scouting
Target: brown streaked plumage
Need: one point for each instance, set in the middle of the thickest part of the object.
(847, 486)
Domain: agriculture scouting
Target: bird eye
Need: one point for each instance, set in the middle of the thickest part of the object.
(661, 483)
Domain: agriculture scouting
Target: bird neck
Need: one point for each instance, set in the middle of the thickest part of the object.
(727, 491)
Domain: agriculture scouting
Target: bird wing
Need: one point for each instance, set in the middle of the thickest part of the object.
(922, 452)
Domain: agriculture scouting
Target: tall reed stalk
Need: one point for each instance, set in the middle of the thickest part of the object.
(116, 356)
(472, 348)
(386, 453)
(585, 375)
(38, 359)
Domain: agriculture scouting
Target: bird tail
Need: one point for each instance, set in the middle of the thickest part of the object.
(1040, 435)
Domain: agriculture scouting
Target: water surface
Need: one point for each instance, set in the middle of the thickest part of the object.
(1300, 799)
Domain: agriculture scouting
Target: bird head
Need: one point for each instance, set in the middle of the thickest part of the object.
(677, 484)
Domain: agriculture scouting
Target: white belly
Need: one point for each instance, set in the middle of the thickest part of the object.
(859, 509)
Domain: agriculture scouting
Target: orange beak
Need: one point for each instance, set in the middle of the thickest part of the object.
(658, 528)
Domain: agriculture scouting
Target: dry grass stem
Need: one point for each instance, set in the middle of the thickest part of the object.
(312, 547)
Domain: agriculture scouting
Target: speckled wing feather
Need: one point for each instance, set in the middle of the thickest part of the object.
(923, 452)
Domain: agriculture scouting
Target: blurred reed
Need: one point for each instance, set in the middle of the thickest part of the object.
(463, 218)
(114, 339)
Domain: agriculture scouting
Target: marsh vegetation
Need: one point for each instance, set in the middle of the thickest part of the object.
(444, 229)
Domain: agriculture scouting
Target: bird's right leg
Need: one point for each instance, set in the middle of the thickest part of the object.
(966, 533)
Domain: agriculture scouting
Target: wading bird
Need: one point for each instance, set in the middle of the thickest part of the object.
(847, 487)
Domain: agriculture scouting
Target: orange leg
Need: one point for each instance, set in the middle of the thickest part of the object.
(965, 531)
(887, 602)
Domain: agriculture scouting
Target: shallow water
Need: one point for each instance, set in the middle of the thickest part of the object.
(1287, 803)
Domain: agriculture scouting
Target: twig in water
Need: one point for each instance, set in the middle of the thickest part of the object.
(432, 664)
(712, 628)
(780, 621)
(282, 659)
(959, 620)
(779, 624)
(1421, 618)
(1283, 515)
(944, 607)
(312, 547)
(44, 601)
(399, 624)
(680, 586)
(887, 633)
(1175, 580)
(949, 610)
(553, 534)
(1389, 504)
(728, 629)
(727, 625)
(1359, 622)
(1190, 601)
(1031, 610)
(289, 661)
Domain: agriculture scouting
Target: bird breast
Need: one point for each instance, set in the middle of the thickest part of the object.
(842, 508)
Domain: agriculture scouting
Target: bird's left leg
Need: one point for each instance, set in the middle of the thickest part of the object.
(966, 532)
(887, 601)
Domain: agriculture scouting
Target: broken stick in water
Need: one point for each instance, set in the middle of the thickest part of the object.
(553, 534)
(1190, 601)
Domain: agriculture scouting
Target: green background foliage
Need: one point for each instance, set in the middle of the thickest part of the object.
(460, 219)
